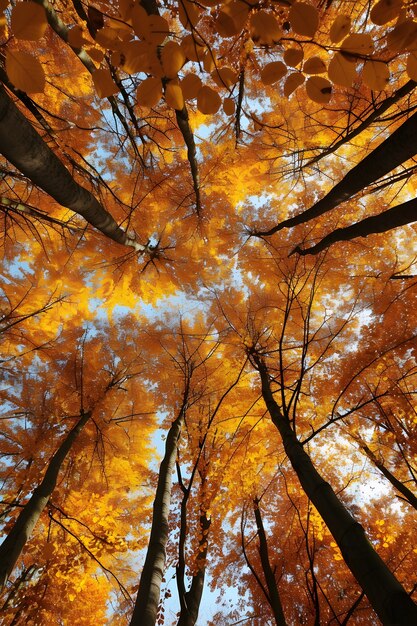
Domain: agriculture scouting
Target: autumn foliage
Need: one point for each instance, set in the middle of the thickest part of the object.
(207, 312)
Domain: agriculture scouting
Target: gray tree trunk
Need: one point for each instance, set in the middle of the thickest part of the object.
(25, 149)
(146, 605)
(12, 546)
(387, 596)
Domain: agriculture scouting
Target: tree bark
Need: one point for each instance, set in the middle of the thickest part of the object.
(191, 600)
(25, 149)
(146, 605)
(387, 596)
(399, 215)
(12, 546)
(399, 147)
(271, 583)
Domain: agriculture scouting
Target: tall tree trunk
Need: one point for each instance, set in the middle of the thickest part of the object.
(146, 606)
(405, 213)
(385, 593)
(271, 583)
(399, 147)
(191, 600)
(12, 546)
(26, 150)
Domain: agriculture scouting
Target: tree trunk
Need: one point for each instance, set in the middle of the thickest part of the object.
(146, 606)
(26, 150)
(191, 600)
(399, 215)
(271, 583)
(399, 147)
(386, 595)
(12, 546)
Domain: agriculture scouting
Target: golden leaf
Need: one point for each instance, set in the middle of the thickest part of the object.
(293, 81)
(272, 72)
(173, 58)
(25, 72)
(341, 71)
(314, 65)
(190, 85)
(319, 89)
(385, 11)
(229, 106)
(174, 96)
(340, 28)
(375, 75)
(293, 56)
(104, 83)
(208, 100)
(28, 21)
(264, 28)
(304, 19)
(149, 92)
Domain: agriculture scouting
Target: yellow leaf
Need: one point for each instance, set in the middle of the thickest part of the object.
(319, 89)
(385, 11)
(104, 83)
(232, 17)
(292, 83)
(314, 65)
(173, 58)
(272, 72)
(304, 19)
(174, 96)
(264, 28)
(28, 21)
(357, 44)
(190, 85)
(208, 100)
(375, 75)
(25, 72)
(341, 71)
(229, 106)
(293, 56)
(149, 92)
(340, 28)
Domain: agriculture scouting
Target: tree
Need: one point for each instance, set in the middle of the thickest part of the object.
(145, 328)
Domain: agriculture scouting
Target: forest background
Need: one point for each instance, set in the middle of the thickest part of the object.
(208, 312)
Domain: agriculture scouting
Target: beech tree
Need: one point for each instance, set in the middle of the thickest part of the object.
(208, 369)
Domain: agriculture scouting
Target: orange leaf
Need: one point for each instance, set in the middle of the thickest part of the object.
(375, 75)
(341, 71)
(340, 28)
(229, 106)
(304, 19)
(272, 72)
(28, 21)
(25, 72)
(149, 92)
(104, 83)
(293, 56)
(292, 83)
(385, 11)
(264, 28)
(208, 100)
(319, 89)
(173, 58)
(190, 86)
(174, 96)
(314, 65)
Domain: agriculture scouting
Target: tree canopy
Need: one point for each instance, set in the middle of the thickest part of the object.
(208, 334)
